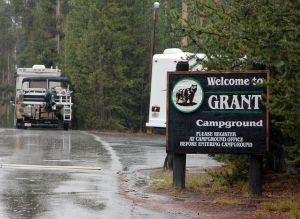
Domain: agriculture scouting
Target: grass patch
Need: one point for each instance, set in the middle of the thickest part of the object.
(198, 181)
(275, 184)
(161, 179)
(281, 197)
(227, 201)
(203, 181)
(285, 206)
(180, 193)
(282, 206)
(243, 187)
(294, 213)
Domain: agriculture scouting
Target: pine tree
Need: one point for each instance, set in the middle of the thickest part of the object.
(252, 35)
(104, 51)
(37, 42)
(106, 54)
(7, 61)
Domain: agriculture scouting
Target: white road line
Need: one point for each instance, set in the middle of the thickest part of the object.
(58, 160)
(116, 164)
(116, 205)
(44, 167)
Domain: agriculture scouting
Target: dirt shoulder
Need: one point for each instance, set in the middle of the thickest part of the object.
(203, 198)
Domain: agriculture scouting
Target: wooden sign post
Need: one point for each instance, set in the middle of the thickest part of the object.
(255, 174)
(217, 112)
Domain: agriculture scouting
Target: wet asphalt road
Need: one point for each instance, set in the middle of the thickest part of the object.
(73, 174)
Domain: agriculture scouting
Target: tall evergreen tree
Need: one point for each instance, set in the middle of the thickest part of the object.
(37, 43)
(7, 42)
(7, 61)
(105, 63)
(257, 35)
(105, 52)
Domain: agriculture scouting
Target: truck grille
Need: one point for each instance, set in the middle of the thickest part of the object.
(35, 98)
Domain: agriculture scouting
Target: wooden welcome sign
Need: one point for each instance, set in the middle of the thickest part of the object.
(217, 112)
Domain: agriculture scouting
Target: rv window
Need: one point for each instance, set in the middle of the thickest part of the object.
(38, 84)
(54, 84)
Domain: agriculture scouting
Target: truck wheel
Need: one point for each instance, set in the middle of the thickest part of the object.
(19, 124)
(66, 126)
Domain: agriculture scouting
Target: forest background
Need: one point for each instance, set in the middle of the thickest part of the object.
(103, 47)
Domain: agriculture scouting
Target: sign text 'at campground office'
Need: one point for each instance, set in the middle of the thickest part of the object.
(217, 112)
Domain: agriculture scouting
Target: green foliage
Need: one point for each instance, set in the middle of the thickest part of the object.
(289, 206)
(37, 43)
(167, 36)
(101, 63)
(256, 35)
(7, 88)
(104, 51)
(285, 106)
(7, 45)
(7, 116)
(6, 29)
(106, 55)
(236, 169)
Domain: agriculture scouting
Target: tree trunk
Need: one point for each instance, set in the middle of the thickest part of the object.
(57, 35)
(184, 40)
(8, 68)
(201, 17)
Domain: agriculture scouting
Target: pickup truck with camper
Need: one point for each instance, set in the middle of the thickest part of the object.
(43, 98)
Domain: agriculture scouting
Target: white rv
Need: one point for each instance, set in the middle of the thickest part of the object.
(43, 98)
(163, 63)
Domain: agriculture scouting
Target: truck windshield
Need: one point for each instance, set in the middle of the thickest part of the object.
(38, 84)
(54, 84)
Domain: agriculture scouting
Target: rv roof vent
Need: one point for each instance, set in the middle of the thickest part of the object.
(38, 67)
(172, 51)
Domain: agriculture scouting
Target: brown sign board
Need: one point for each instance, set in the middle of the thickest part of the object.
(217, 112)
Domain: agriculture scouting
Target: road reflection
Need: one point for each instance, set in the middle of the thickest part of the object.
(73, 174)
(30, 189)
